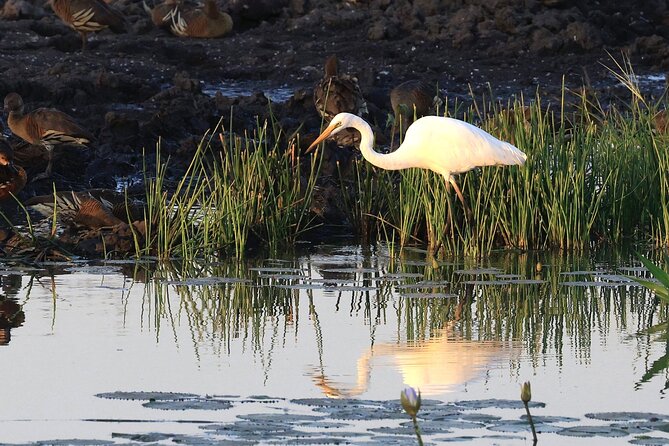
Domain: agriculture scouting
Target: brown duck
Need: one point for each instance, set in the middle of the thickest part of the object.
(161, 15)
(85, 16)
(337, 93)
(12, 177)
(411, 99)
(46, 126)
(87, 209)
(205, 22)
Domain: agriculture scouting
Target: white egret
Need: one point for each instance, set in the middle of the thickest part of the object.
(446, 146)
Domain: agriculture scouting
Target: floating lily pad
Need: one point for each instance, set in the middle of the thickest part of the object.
(508, 276)
(399, 276)
(73, 442)
(360, 413)
(277, 270)
(627, 416)
(352, 288)
(478, 271)
(592, 431)
(302, 286)
(281, 418)
(515, 426)
(197, 404)
(429, 295)
(284, 276)
(144, 438)
(206, 281)
(93, 269)
(342, 402)
(485, 282)
(588, 283)
(650, 441)
(582, 273)
(495, 404)
(422, 285)
(525, 281)
(148, 396)
(352, 270)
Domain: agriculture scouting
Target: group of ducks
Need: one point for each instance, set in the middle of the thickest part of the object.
(86, 16)
(48, 127)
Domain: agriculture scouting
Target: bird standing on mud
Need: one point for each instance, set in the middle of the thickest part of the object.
(86, 16)
(207, 22)
(446, 146)
(411, 99)
(338, 92)
(46, 126)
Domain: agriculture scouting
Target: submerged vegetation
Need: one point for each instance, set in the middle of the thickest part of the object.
(595, 174)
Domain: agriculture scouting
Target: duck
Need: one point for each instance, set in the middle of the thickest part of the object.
(12, 177)
(206, 22)
(90, 209)
(411, 100)
(161, 15)
(85, 16)
(44, 126)
(338, 92)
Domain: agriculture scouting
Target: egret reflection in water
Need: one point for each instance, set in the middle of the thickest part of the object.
(436, 365)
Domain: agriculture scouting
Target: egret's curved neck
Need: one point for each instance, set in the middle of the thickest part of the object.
(388, 161)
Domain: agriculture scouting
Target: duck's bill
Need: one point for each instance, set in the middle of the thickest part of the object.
(322, 137)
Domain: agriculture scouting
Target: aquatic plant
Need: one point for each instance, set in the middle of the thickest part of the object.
(661, 287)
(525, 397)
(410, 401)
(237, 187)
(594, 174)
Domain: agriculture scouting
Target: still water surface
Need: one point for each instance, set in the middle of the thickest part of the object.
(336, 322)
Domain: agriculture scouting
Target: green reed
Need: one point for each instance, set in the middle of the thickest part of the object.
(593, 175)
(237, 189)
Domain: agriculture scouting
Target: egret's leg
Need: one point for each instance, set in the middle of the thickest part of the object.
(468, 212)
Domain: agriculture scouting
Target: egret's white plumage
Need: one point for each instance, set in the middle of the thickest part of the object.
(444, 145)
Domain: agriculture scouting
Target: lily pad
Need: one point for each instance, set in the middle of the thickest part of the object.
(650, 441)
(478, 271)
(627, 416)
(197, 404)
(495, 404)
(148, 396)
(592, 431)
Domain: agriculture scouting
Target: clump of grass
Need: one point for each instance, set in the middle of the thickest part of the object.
(593, 175)
(236, 188)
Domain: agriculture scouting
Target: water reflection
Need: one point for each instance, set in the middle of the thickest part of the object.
(341, 322)
(11, 312)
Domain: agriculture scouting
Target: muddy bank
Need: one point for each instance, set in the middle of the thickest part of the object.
(131, 89)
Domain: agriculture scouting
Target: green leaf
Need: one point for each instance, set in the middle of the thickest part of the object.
(660, 290)
(656, 271)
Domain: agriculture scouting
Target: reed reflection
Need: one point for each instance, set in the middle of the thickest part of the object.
(493, 317)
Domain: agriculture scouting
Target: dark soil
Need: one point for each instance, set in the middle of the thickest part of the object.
(131, 89)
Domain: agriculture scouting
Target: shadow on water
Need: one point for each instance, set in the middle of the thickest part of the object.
(366, 320)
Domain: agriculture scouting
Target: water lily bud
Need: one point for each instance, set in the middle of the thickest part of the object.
(525, 392)
(410, 401)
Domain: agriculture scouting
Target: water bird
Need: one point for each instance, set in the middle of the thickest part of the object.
(205, 22)
(12, 177)
(90, 209)
(161, 14)
(338, 92)
(443, 145)
(46, 126)
(85, 16)
(409, 99)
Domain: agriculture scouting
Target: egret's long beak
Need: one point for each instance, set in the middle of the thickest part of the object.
(323, 136)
